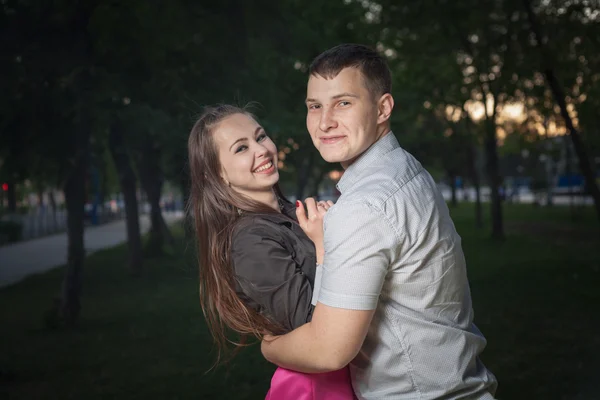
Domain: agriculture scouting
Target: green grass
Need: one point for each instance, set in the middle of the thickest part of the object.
(138, 339)
(535, 298)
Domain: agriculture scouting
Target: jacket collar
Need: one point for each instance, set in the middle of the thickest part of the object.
(286, 217)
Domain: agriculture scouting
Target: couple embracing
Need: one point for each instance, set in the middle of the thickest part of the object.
(367, 298)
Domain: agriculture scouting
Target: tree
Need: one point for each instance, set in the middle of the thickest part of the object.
(127, 180)
(51, 91)
(549, 70)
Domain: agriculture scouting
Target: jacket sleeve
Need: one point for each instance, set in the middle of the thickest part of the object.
(269, 280)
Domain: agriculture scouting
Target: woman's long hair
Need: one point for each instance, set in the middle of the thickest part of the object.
(215, 209)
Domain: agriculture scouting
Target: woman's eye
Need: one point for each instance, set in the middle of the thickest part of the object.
(261, 137)
(241, 148)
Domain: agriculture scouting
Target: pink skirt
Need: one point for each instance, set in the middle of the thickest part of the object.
(292, 385)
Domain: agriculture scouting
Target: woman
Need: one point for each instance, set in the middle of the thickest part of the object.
(257, 267)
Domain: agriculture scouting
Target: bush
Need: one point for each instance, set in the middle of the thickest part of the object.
(10, 231)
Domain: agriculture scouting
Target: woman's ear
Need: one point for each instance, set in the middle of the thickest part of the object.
(224, 177)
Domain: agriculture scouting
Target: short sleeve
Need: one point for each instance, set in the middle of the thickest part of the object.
(269, 279)
(358, 244)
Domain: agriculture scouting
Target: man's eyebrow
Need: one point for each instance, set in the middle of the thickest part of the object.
(337, 96)
(345, 94)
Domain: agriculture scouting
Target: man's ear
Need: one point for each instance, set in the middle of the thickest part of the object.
(385, 105)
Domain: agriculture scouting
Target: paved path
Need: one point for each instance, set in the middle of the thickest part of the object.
(22, 259)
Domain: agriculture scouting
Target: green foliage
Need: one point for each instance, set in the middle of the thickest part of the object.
(154, 66)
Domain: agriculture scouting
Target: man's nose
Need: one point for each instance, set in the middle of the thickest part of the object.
(327, 121)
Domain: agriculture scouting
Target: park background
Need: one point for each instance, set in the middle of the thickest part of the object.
(499, 99)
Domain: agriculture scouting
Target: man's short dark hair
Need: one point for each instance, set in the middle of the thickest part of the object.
(373, 67)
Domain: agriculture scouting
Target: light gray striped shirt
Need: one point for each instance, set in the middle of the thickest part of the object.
(390, 245)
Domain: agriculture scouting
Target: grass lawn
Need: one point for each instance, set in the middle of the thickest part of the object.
(535, 297)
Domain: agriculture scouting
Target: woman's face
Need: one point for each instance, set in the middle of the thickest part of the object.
(248, 157)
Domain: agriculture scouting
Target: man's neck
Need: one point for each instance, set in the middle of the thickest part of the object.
(381, 132)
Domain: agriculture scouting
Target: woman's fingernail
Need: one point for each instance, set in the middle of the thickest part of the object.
(297, 203)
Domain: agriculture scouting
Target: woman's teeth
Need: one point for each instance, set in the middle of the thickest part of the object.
(264, 167)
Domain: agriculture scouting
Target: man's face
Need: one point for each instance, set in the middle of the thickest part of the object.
(342, 116)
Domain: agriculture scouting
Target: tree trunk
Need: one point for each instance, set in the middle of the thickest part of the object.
(478, 207)
(128, 187)
(74, 187)
(453, 198)
(157, 238)
(11, 196)
(549, 182)
(52, 201)
(40, 196)
(74, 190)
(152, 182)
(472, 167)
(559, 96)
(491, 151)
(569, 173)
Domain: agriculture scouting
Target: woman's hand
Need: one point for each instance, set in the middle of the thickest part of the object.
(311, 222)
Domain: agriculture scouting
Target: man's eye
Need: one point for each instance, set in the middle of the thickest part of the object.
(344, 103)
(241, 148)
(314, 107)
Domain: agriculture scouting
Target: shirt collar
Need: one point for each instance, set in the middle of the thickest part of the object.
(377, 150)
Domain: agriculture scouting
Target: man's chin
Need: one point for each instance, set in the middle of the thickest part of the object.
(331, 158)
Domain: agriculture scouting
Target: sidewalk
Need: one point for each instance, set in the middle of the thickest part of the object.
(19, 260)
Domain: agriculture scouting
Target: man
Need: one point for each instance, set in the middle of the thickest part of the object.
(394, 300)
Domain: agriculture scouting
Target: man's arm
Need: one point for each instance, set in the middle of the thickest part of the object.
(358, 243)
(328, 343)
